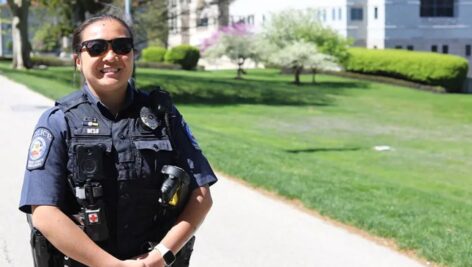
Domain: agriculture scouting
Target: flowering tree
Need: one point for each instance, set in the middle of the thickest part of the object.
(236, 42)
(289, 26)
(299, 55)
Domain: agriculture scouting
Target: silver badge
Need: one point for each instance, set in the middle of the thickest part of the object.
(148, 118)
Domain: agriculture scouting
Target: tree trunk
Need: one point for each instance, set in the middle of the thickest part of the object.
(297, 71)
(21, 45)
(223, 13)
(240, 71)
(313, 73)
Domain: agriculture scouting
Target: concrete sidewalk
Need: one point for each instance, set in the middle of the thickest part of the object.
(244, 228)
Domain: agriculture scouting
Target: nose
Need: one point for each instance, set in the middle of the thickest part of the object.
(110, 55)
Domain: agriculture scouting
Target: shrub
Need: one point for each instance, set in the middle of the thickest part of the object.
(46, 38)
(153, 54)
(435, 69)
(50, 61)
(185, 55)
(158, 65)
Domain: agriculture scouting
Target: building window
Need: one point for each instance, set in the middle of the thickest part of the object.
(324, 14)
(202, 22)
(398, 47)
(250, 20)
(467, 50)
(173, 23)
(437, 8)
(434, 48)
(357, 13)
(445, 49)
(376, 12)
(410, 47)
(340, 13)
(333, 14)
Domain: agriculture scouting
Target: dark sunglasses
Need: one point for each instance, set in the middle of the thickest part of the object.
(96, 47)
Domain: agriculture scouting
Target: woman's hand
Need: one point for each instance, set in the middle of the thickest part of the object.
(132, 263)
(151, 259)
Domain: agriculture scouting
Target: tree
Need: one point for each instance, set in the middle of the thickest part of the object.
(300, 55)
(69, 14)
(291, 25)
(150, 24)
(74, 12)
(236, 42)
(21, 45)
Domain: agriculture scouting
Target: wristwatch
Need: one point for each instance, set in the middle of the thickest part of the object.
(166, 254)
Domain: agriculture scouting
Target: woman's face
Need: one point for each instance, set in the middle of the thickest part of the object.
(108, 72)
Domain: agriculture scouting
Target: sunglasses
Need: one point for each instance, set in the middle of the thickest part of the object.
(97, 47)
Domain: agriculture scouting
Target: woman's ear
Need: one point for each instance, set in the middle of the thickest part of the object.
(77, 62)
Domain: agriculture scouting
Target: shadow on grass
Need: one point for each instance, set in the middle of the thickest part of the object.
(314, 150)
(220, 88)
(204, 89)
(62, 75)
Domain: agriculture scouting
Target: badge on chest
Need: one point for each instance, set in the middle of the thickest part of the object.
(148, 118)
(91, 125)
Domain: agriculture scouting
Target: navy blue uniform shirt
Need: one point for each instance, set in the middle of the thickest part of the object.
(45, 180)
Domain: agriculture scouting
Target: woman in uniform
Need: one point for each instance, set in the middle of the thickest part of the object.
(99, 159)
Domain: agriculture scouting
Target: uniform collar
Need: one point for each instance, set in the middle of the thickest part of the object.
(129, 98)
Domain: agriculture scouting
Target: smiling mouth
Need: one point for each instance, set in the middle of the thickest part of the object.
(110, 70)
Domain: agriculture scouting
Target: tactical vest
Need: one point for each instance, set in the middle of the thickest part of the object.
(133, 152)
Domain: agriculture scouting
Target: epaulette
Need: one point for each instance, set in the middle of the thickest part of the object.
(70, 101)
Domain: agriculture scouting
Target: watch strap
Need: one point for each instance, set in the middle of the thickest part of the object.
(167, 255)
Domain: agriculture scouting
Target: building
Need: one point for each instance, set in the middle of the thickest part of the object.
(443, 26)
(192, 21)
(6, 44)
(428, 25)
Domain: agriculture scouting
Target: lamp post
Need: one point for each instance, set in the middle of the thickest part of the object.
(128, 17)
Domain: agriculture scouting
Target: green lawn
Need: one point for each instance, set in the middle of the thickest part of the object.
(315, 143)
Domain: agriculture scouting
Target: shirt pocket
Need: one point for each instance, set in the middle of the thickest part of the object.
(151, 155)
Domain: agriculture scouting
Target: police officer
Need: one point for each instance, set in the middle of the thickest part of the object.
(99, 159)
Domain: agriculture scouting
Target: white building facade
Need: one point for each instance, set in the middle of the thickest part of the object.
(443, 26)
(6, 44)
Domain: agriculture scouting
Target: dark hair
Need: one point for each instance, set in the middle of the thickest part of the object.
(77, 38)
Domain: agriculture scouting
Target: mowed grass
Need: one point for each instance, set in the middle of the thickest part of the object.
(315, 143)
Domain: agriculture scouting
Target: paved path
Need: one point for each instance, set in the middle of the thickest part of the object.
(244, 228)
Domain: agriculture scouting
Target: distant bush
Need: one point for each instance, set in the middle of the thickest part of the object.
(153, 54)
(46, 38)
(158, 65)
(50, 61)
(434, 69)
(185, 55)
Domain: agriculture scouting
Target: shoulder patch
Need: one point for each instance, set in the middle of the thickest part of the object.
(190, 135)
(39, 148)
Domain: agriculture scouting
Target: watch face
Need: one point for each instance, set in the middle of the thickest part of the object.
(169, 258)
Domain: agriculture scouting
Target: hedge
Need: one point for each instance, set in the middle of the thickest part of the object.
(157, 65)
(434, 69)
(153, 54)
(185, 55)
(51, 61)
